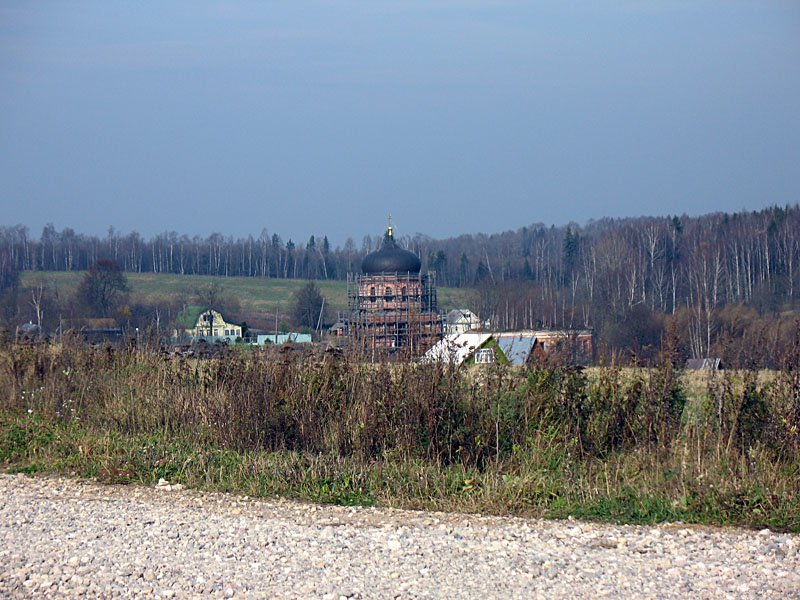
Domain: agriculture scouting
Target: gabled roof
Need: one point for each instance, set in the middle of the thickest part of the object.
(461, 314)
(456, 348)
(516, 347)
(187, 319)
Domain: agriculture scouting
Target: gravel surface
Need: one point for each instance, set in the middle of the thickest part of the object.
(61, 537)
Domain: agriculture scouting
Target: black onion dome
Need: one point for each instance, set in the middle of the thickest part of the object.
(390, 259)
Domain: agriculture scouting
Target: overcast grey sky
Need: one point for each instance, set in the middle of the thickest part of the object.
(455, 116)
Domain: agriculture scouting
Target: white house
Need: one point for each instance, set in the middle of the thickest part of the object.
(461, 320)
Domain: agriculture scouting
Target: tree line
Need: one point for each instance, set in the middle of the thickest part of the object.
(718, 280)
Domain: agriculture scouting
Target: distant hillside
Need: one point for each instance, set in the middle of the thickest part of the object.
(254, 295)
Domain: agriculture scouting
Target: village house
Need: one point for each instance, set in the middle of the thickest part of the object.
(462, 320)
(196, 321)
(512, 347)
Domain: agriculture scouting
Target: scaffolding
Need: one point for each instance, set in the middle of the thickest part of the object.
(393, 311)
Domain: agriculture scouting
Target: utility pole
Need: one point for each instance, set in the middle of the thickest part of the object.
(321, 308)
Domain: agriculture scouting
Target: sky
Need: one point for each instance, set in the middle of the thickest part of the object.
(454, 117)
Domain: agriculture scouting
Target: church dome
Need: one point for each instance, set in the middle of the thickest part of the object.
(390, 258)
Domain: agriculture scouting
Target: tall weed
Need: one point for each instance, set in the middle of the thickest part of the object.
(638, 444)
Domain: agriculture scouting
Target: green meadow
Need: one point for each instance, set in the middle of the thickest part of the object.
(254, 295)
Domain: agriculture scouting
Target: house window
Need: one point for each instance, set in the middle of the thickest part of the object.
(484, 356)
(372, 294)
(404, 293)
(216, 332)
(388, 294)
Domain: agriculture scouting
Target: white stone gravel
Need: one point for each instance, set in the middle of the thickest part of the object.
(62, 537)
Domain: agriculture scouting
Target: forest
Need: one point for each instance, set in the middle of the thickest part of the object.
(721, 284)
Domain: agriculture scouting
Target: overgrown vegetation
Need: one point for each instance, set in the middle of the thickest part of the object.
(632, 445)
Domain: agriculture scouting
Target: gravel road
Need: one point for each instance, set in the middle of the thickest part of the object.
(61, 537)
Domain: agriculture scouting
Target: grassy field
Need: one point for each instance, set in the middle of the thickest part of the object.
(254, 295)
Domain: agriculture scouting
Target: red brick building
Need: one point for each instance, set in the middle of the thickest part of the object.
(392, 304)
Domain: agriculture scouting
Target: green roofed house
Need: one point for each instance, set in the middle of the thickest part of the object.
(196, 321)
(513, 347)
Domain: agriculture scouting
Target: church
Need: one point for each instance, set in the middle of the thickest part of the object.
(392, 305)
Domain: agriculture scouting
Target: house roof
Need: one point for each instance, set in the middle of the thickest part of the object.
(29, 328)
(456, 348)
(187, 319)
(515, 347)
(458, 314)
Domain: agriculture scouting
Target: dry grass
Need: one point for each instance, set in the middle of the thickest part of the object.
(638, 445)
